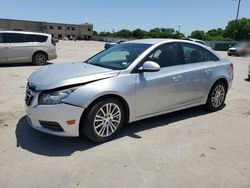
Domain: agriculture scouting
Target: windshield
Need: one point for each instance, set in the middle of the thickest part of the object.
(118, 57)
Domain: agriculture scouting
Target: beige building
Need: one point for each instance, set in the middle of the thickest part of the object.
(57, 30)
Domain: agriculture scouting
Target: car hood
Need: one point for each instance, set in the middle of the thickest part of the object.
(55, 76)
(235, 48)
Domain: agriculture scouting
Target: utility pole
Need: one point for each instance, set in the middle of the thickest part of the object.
(238, 10)
(179, 28)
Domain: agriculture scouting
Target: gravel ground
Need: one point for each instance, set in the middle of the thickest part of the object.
(191, 148)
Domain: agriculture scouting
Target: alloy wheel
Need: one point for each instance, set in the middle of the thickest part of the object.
(40, 59)
(107, 120)
(218, 96)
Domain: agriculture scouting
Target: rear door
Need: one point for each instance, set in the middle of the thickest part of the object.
(2, 49)
(19, 47)
(197, 72)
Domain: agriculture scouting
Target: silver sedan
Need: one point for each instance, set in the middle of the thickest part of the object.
(126, 83)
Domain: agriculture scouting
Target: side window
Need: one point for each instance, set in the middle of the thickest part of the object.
(196, 54)
(1, 38)
(39, 38)
(166, 55)
(15, 38)
(209, 56)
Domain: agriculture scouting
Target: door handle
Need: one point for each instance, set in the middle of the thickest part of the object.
(176, 78)
(208, 71)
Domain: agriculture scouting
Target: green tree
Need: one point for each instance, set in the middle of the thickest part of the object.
(95, 33)
(198, 34)
(179, 35)
(139, 34)
(238, 29)
(124, 33)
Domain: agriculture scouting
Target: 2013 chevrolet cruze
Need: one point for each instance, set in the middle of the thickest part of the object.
(128, 82)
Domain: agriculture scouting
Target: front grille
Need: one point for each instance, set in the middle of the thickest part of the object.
(233, 51)
(51, 125)
(30, 92)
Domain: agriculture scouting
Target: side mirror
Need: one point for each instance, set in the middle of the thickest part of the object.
(150, 66)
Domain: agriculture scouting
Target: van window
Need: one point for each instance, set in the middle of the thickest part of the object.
(1, 38)
(15, 38)
(39, 38)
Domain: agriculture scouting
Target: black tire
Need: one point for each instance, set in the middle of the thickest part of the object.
(88, 121)
(39, 58)
(229, 54)
(210, 105)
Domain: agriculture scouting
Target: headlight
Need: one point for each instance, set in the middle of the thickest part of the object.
(54, 97)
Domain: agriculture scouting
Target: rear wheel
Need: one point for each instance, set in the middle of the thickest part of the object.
(39, 58)
(103, 120)
(217, 97)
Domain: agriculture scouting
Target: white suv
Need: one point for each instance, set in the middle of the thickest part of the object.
(21, 47)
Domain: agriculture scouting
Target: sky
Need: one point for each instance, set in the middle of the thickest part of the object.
(114, 15)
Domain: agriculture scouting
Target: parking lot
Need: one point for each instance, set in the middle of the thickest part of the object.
(191, 148)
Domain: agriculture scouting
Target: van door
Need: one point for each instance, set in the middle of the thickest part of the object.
(19, 47)
(2, 49)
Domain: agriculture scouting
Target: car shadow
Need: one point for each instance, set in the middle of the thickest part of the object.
(48, 145)
(247, 80)
(21, 64)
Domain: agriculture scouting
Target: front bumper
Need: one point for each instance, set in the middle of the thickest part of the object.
(60, 113)
(237, 53)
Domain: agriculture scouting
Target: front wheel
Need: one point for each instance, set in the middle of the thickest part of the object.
(216, 97)
(103, 120)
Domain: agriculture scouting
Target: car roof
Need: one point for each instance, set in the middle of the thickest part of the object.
(149, 41)
(156, 41)
(24, 32)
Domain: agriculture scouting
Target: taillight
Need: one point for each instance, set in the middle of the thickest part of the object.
(53, 41)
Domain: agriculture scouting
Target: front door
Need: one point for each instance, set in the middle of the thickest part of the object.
(160, 91)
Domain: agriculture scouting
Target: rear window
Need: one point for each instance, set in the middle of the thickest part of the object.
(195, 54)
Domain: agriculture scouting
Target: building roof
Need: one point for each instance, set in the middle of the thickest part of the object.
(45, 22)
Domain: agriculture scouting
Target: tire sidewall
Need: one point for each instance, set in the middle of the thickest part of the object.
(209, 104)
(88, 127)
(34, 60)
